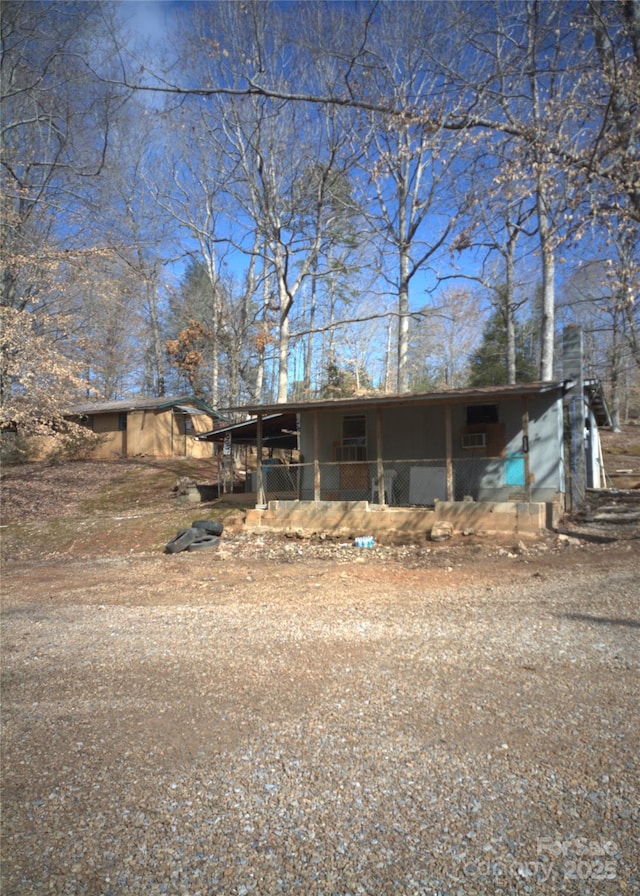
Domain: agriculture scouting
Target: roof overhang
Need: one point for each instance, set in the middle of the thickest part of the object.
(188, 404)
(191, 409)
(278, 431)
(479, 395)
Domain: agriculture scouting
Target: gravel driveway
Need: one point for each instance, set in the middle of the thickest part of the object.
(293, 722)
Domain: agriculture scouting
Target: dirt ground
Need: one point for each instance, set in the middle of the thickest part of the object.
(284, 715)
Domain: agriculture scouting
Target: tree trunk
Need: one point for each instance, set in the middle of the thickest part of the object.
(157, 354)
(215, 325)
(262, 337)
(308, 355)
(510, 316)
(403, 322)
(387, 357)
(547, 321)
(283, 360)
(285, 302)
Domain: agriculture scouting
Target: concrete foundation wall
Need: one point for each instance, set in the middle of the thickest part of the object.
(501, 517)
(342, 518)
(353, 518)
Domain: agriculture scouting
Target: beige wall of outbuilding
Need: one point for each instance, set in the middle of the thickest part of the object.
(113, 442)
(155, 433)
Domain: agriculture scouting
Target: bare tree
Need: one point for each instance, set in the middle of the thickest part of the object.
(500, 217)
(527, 96)
(108, 327)
(195, 205)
(271, 148)
(55, 124)
(55, 119)
(613, 90)
(597, 297)
(126, 219)
(408, 160)
(443, 336)
(479, 98)
(271, 103)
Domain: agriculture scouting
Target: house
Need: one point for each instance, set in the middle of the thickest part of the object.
(156, 427)
(487, 458)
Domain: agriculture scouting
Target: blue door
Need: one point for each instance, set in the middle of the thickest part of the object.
(515, 470)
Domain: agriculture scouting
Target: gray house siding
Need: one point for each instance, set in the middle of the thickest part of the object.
(414, 443)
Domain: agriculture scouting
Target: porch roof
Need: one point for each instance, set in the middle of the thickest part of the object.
(477, 395)
(278, 430)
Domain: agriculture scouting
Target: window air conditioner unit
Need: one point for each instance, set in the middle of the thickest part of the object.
(474, 440)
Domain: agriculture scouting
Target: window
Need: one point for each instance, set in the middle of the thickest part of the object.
(482, 413)
(354, 439)
(122, 421)
(483, 431)
(354, 431)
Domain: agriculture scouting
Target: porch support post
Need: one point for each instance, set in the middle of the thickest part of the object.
(260, 498)
(525, 447)
(316, 459)
(379, 465)
(448, 440)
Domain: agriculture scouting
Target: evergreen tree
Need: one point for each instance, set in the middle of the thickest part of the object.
(488, 363)
(344, 381)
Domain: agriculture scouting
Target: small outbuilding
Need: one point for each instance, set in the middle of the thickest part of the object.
(155, 427)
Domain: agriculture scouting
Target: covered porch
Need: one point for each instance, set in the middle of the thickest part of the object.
(491, 459)
(492, 444)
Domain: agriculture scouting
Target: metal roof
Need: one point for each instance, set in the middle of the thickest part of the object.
(278, 430)
(479, 394)
(186, 403)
